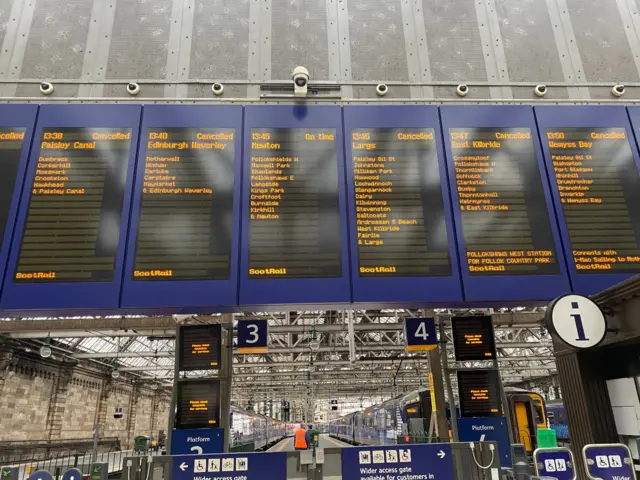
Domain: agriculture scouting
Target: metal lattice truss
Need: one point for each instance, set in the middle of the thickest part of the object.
(346, 354)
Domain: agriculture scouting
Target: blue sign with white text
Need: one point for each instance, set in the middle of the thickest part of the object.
(609, 462)
(555, 463)
(487, 429)
(427, 462)
(420, 334)
(196, 441)
(253, 333)
(230, 466)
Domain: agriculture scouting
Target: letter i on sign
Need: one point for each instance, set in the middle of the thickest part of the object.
(579, 327)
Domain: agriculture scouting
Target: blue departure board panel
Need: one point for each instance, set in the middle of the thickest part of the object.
(16, 129)
(401, 230)
(506, 230)
(294, 230)
(68, 247)
(183, 244)
(592, 163)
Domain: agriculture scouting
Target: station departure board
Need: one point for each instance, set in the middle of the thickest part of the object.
(186, 209)
(200, 347)
(73, 219)
(473, 338)
(398, 203)
(597, 182)
(198, 403)
(505, 221)
(293, 204)
(479, 393)
(11, 143)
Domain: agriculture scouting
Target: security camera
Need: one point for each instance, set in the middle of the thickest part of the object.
(300, 78)
(133, 88)
(541, 90)
(381, 89)
(462, 90)
(618, 90)
(217, 89)
(46, 88)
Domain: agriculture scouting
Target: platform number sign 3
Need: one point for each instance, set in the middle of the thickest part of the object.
(420, 334)
(576, 320)
(253, 335)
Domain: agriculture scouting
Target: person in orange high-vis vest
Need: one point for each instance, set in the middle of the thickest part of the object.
(301, 438)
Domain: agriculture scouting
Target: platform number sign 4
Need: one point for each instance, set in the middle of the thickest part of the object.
(253, 335)
(576, 320)
(420, 334)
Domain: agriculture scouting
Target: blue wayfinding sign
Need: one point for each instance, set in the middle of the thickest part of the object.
(487, 429)
(425, 462)
(420, 334)
(231, 466)
(41, 475)
(608, 462)
(196, 441)
(556, 463)
(253, 335)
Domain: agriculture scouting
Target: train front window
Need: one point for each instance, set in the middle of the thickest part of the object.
(539, 414)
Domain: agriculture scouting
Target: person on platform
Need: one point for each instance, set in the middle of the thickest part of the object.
(301, 438)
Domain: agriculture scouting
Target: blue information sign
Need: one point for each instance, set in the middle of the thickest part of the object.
(420, 334)
(432, 462)
(554, 463)
(41, 475)
(239, 466)
(487, 429)
(608, 462)
(196, 441)
(253, 335)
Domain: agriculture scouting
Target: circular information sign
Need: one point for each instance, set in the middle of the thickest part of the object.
(576, 320)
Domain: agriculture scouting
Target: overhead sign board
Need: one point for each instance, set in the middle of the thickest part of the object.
(197, 441)
(240, 466)
(506, 230)
(198, 403)
(184, 235)
(487, 429)
(433, 462)
(576, 320)
(69, 244)
(608, 462)
(554, 463)
(294, 226)
(401, 230)
(420, 334)
(479, 393)
(473, 338)
(200, 347)
(253, 335)
(592, 162)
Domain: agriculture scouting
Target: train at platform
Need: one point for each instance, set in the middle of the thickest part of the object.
(407, 419)
(557, 418)
(251, 427)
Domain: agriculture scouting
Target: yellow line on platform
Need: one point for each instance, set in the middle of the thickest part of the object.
(282, 444)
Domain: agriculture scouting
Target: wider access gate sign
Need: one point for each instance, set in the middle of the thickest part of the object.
(426, 462)
(240, 466)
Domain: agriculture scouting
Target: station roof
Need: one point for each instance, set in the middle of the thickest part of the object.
(310, 353)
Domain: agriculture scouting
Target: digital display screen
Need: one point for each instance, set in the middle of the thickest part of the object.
(199, 347)
(73, 219)
(473, 338)
(198, 403)
(503, 210)
(293, 204)
(11, 143)
(479, 393)
(186, 210)
(399, 209)
(597, 181)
